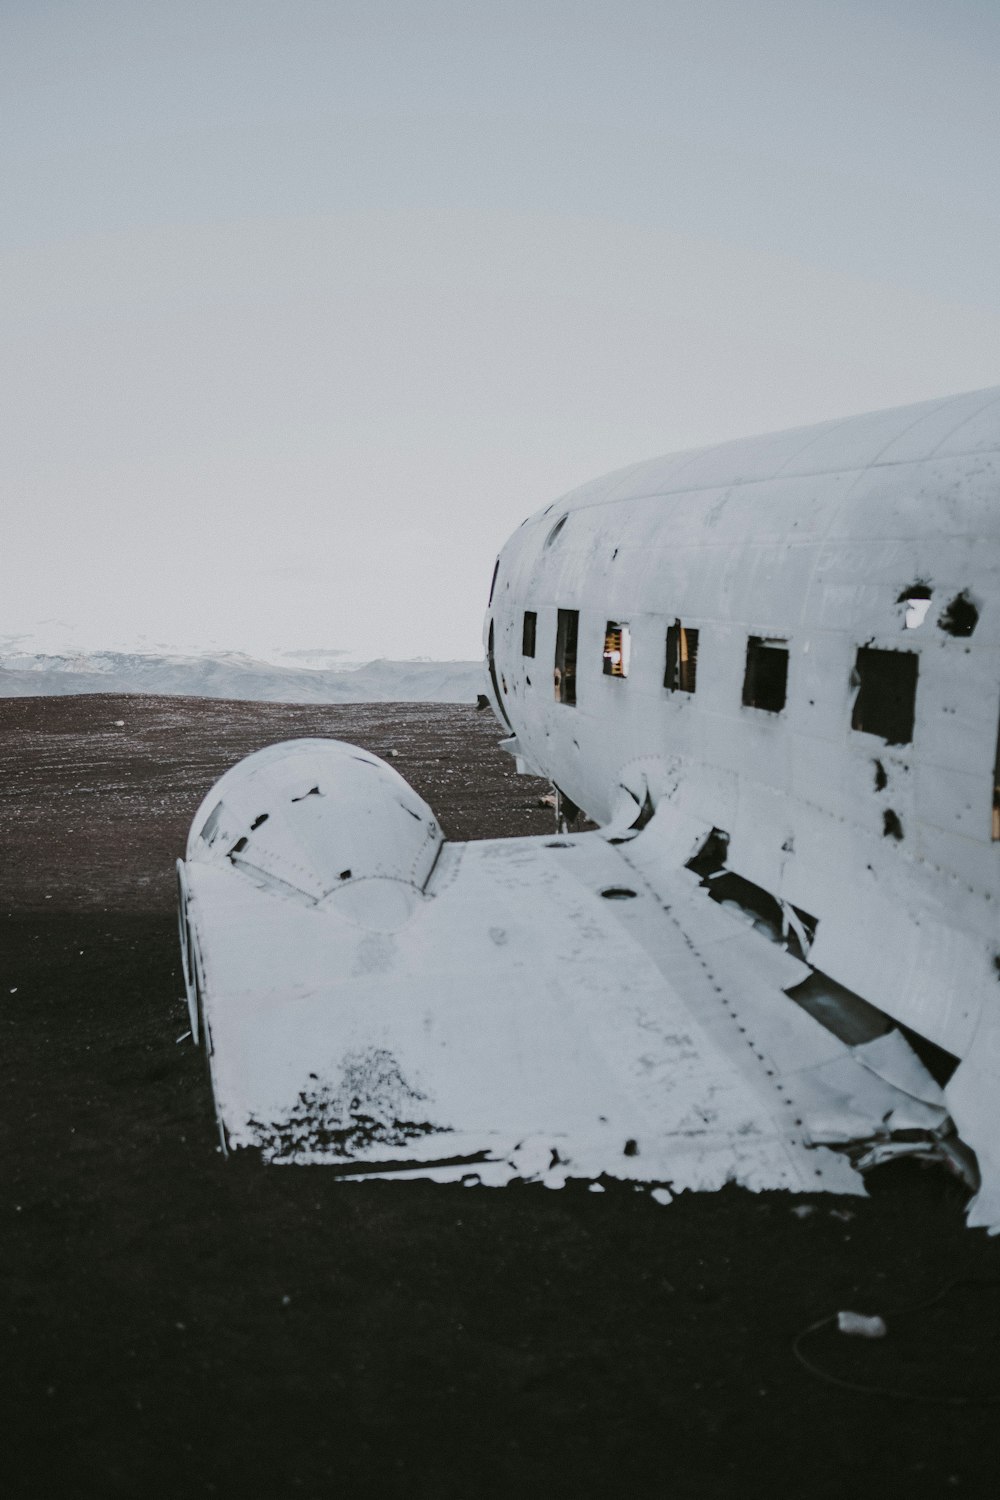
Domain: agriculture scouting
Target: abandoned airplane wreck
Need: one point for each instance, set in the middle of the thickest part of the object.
(770, 672)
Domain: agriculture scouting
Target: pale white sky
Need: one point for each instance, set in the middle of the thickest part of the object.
(307, 303)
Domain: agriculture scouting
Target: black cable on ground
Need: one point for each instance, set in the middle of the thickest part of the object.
(935, 1399)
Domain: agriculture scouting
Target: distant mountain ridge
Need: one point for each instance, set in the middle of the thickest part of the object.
(232, 675)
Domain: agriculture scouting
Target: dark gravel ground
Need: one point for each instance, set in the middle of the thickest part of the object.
(178, 1325)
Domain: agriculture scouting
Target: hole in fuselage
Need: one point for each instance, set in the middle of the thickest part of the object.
(892, 828)
(711, 857)
(960, 617)
(618, 893)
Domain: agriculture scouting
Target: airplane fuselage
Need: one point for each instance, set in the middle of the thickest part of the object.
(793, 640)
(771, 671)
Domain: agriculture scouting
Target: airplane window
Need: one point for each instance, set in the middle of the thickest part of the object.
(617, 642)
(528, 632)
(564, 676)
(682, 658)
(766, 682)
(887, 694)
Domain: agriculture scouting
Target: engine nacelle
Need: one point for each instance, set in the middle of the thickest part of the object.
(325, 824)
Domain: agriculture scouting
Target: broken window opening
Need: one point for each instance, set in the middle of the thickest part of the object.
(564, 676)
(617, 643)
(528, 631)
(960, 617)
(917, 601)
(681, 671)
(765, 684)
(887, 694)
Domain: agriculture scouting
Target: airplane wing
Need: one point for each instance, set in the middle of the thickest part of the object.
(379, 999)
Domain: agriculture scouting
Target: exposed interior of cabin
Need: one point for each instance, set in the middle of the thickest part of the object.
(567, 631)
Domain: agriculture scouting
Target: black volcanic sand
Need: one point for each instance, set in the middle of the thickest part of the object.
(179, 1325)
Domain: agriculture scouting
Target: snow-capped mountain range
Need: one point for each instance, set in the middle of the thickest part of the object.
(231, 674)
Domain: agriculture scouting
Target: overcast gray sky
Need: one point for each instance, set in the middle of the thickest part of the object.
(307, 304)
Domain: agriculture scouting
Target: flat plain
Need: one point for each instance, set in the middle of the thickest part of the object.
(178, 1324)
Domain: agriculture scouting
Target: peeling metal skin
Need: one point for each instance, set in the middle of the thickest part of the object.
(771, 672)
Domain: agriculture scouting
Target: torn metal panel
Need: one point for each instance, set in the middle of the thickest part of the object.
(891, 1059)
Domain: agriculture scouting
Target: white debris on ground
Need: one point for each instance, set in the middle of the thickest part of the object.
(860, 1326)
